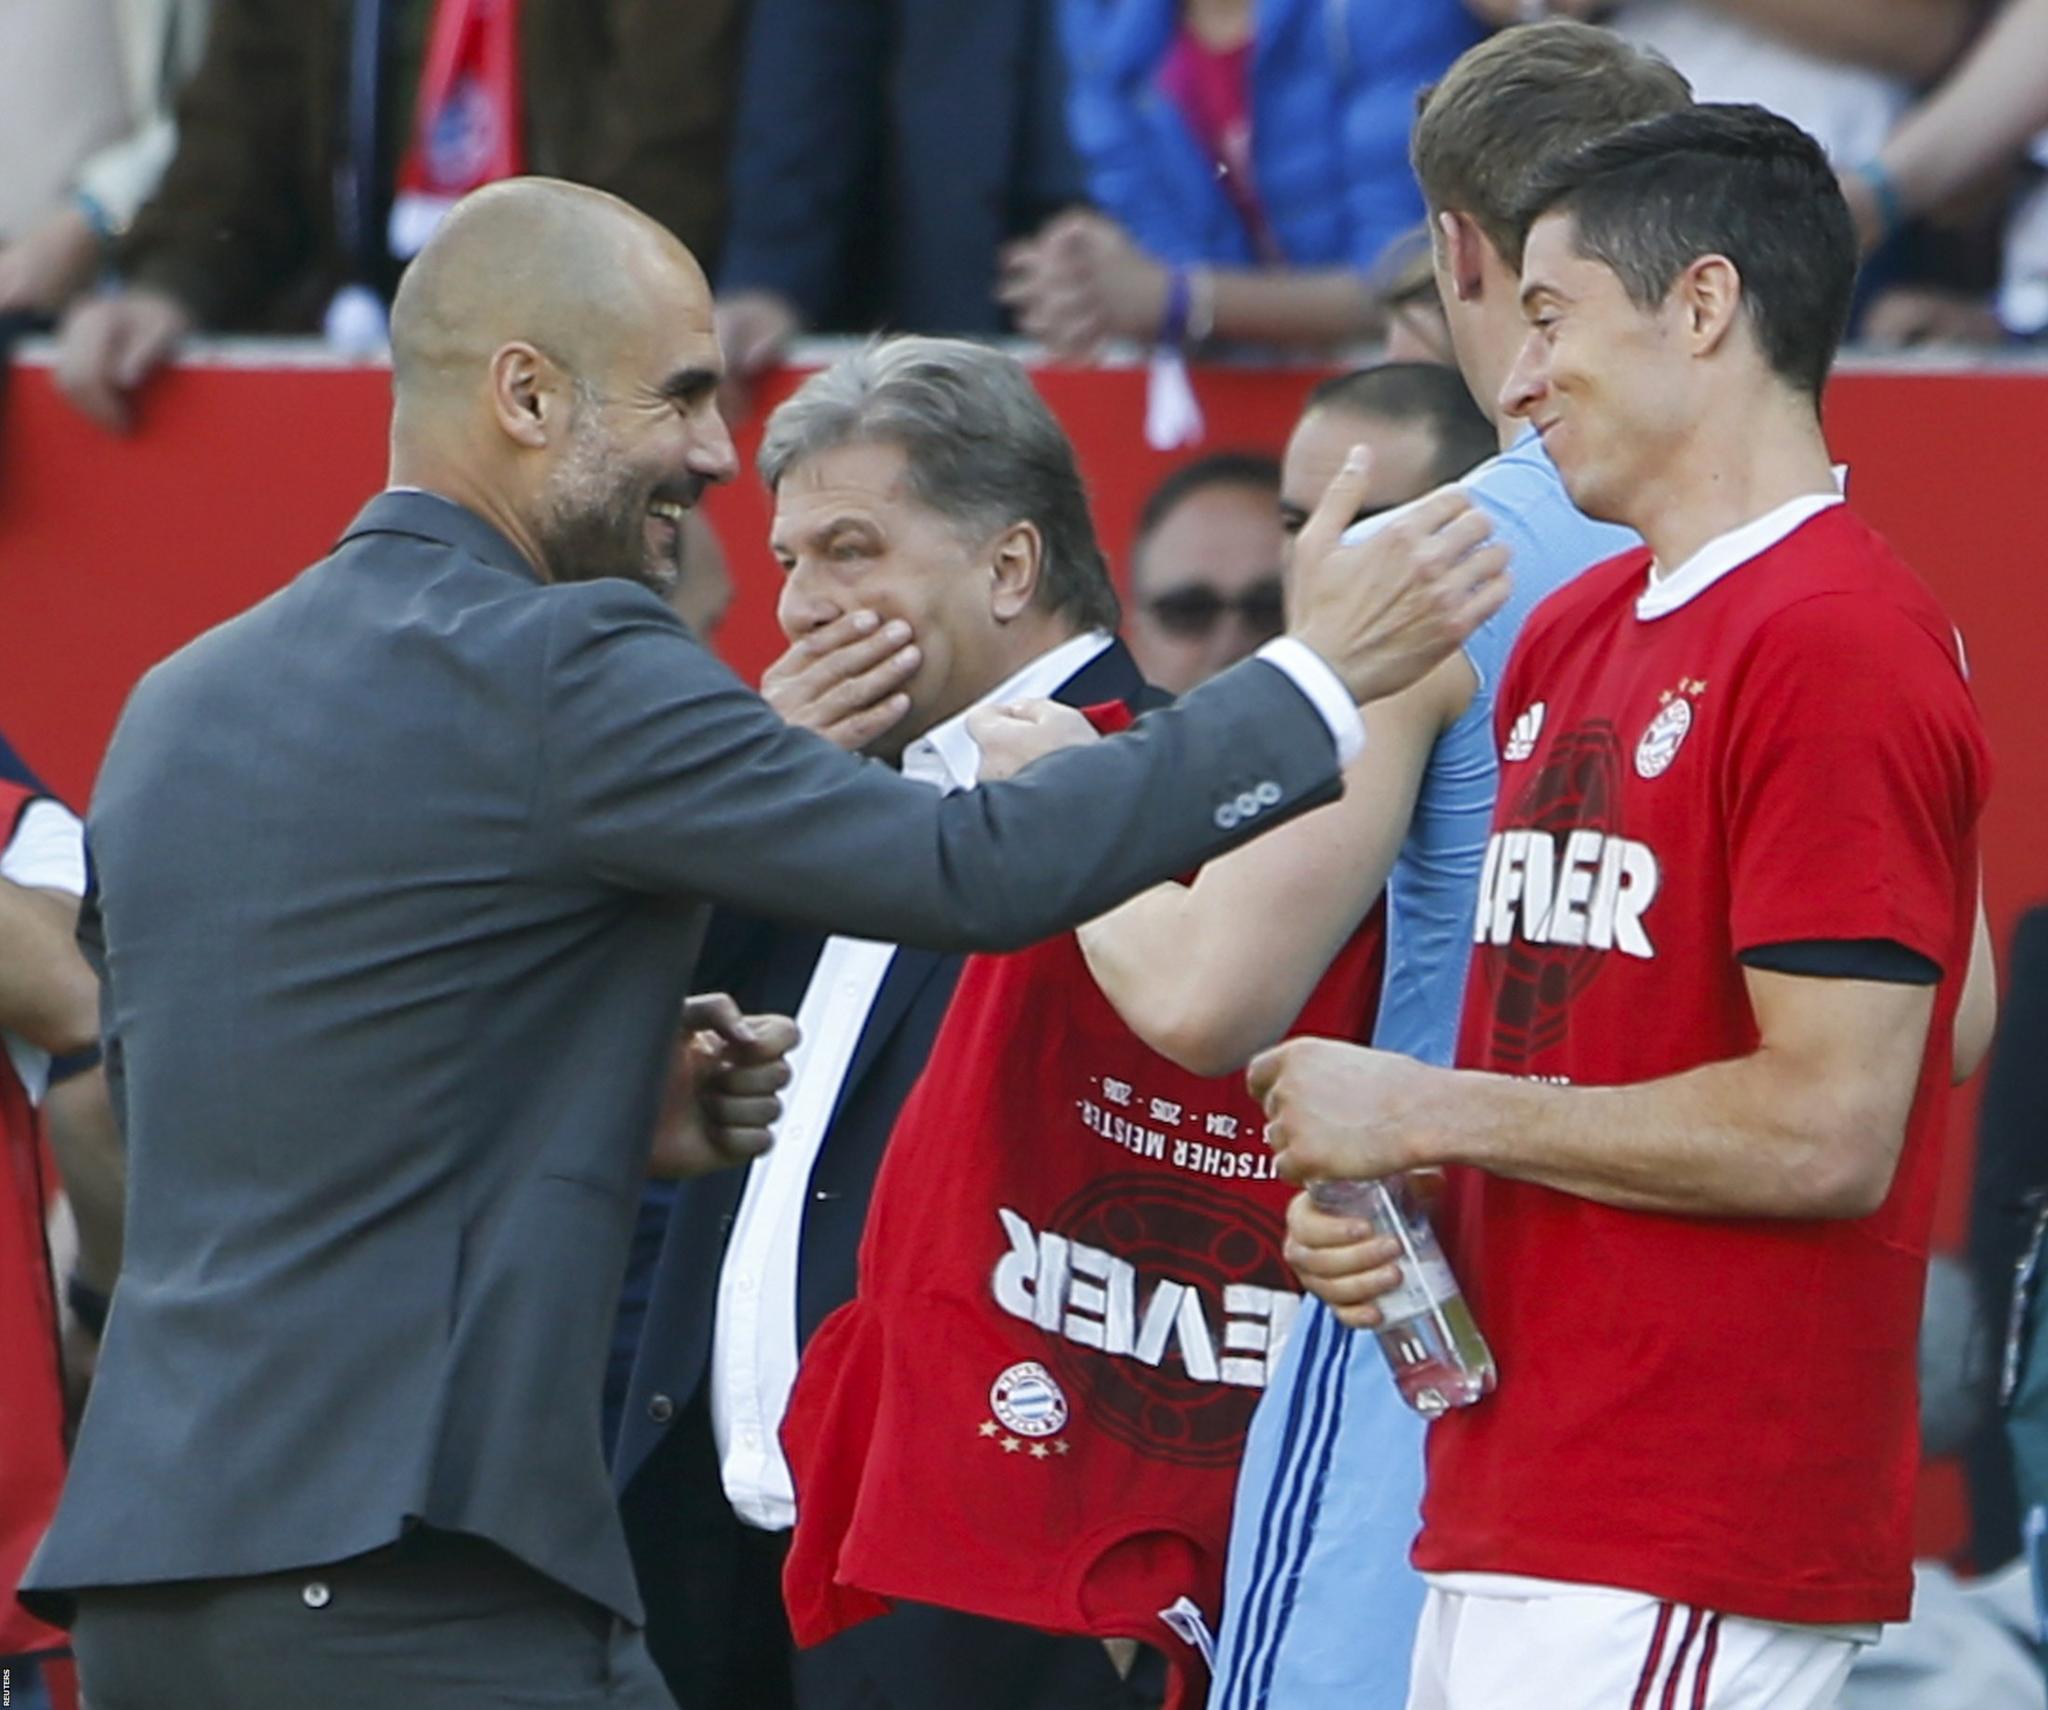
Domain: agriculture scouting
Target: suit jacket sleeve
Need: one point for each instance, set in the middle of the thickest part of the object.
(229, 219)
(808, 136)
(660, 771)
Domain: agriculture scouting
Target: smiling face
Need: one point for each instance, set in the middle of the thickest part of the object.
(644, 439)
(851, 535)
(1611, 386)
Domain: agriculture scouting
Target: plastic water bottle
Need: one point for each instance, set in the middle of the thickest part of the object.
(1427, 1332)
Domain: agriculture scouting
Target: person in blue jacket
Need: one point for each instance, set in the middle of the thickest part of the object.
(1248, 164)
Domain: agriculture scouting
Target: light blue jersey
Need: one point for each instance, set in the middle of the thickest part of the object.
(1320, 1605)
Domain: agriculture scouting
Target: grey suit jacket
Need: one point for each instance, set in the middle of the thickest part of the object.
(401, 875)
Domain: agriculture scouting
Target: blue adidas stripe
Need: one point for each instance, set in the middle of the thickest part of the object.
(1242, 1622)
(1335, 1381)
(1307, 1443)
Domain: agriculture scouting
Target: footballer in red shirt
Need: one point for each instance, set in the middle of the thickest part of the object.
(1723, 928)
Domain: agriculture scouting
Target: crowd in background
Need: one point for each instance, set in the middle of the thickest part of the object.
(1207, 174)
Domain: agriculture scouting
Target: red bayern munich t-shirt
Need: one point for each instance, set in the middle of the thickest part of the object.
(1072, 1291)
(1775, 745)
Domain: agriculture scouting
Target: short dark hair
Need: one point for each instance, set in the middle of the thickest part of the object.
(1426, 393)
(1520, 100)
(1735, 181)
(1252, 470)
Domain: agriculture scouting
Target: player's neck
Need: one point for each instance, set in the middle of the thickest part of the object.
(1734, 470)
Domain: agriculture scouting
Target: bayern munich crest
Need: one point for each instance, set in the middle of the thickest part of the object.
(1028, 1400)
(1660, 743)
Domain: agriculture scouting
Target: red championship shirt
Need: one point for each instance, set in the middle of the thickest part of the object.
(32, 1416)
(1071, 1293)
(1775, 745)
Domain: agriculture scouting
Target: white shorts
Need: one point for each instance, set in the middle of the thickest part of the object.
(1543, 1645)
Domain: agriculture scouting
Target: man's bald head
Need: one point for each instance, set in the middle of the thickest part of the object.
(559, 266)
(555, 369)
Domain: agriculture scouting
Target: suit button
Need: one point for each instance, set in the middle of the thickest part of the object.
(1227, 817)
(316, 1595)
(660, 1409)
(1268, 794)
(1248, 804)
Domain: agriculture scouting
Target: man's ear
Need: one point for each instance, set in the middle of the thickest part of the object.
(1461, 250)
(529, 395)
(1709, 300)
(1016, 565)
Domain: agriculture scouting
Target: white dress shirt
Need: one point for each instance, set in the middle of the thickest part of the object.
(753, 1334)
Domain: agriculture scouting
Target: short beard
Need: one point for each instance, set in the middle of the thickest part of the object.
(593, 528)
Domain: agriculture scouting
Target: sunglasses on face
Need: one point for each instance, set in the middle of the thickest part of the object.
(1195, 609)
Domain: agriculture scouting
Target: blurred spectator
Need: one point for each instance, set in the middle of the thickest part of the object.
(884, 151)
(1979, 121)
(1418, 419)
(2011, 1171)
(101, 73)
(1205, 563)
(63, 102)
(1205, 569)
(1970, 1642)
(288, 135)
(1249, 160)
(703, 592)
(1410, 304)
(1843, 74)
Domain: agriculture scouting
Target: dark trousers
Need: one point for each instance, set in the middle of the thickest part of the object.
(438, 1621)
(717, 1628)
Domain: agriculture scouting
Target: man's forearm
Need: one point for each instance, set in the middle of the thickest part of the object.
(86, 1141)
(1911, 39)
(1981, 117)
(1758, 1136)
(1320, 309)
(47, 993)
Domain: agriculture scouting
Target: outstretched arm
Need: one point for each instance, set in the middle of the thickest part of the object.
(666, 774)
(1209, 973)
(1977, 121)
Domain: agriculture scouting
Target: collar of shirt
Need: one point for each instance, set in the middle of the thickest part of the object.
(947, 758)
(1730, 551)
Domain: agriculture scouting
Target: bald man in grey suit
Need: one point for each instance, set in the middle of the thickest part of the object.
(401, 877)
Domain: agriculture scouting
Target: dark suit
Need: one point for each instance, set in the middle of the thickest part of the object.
(885, 150)
(697, 1562)
(402, 875)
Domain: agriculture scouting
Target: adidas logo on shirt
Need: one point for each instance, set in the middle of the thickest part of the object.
(1522, 738)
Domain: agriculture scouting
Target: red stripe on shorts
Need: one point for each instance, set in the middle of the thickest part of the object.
(1650, 1662)
(1707, 1649)
(1692, 1632)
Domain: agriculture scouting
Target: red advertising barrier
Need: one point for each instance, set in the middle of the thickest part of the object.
(247, 463)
